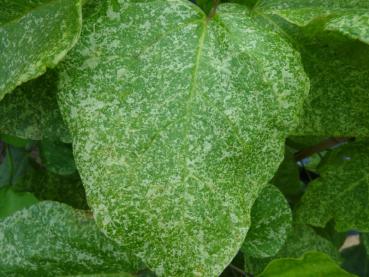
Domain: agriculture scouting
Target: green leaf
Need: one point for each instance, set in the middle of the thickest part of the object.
(15, 141)
(12, 201)
(287, 178)
(52, 239)
(271, 222)
(335, 61)
(178, 121)
(351, 18)
(35, 35)
(31, 111)
(48, 186)
(301, 239)
(309, 265)
(338, 69)
(57, 157)
(14, 166)
(341, 191)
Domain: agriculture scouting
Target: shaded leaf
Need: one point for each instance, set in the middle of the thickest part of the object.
(270, 223)
(49, 186)
(31, 111)
(177, 122)
(341, 191)
(351, 18)
(35, 35)
(57, 157)
(51, 239)
(12, 201)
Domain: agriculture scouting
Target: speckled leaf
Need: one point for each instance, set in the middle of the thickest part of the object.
(350, 17)
(341, 193)
(312, 264)
(300, 240)
(338, 103)
(31, 111)
(177, 122)
(337, 65)
(57, 157)
(53, 239)
(271, 222)
(12, 201)
(35, 35)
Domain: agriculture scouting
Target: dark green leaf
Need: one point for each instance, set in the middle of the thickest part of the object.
(12, 201)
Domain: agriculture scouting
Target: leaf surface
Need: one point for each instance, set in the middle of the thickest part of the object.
(12, 201)
(341, 192)
(172, 125)
(311, 264)
(270, 224)
(351, 17)
(35, 35)
(31, 111)
(53, 239)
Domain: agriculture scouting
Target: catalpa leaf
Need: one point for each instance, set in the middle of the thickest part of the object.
(311, 264)
(271, 222)
(350, 18)
(53, 239)
(178, 121)
(31, 111)
(35, 35)
(341, 191)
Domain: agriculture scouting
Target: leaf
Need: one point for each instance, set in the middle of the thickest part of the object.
(14, 166)
(15, 141)
(12, 201)
(287, 178)
(31, 111)
(341, 191)
(300, 240)
(337, 65)
(311, 264)
(338, 70)
(35, 35)
(271, 222)
(57, 157)
(348, 17)
(177, 122)
(48, 186)
(52, 239)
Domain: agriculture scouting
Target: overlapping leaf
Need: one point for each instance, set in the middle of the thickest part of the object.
(12, 201)
(35, 35)
(52, 239)
(332, 37)
(271, 222)
(178, 121)
(311, 264)
(301, 239)
(350, 17)
(341, 193)
(32, 112)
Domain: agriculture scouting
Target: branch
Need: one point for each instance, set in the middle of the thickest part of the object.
(324, 145)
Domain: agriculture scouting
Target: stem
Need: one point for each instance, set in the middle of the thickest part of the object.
(213, 8)
(235, 268)
(324, 145)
